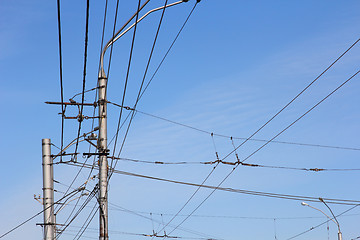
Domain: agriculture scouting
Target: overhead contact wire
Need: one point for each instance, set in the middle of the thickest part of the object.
(228, 175)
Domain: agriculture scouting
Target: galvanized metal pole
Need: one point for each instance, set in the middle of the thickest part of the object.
(48, 190)
(103, 162)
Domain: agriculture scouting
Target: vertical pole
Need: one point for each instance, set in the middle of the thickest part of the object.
(48, 190)
(339, 236)
(103, 162)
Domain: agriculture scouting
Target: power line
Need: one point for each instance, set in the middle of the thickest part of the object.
(303, 115)
(80, 118)
(142, 83)
(61, 76)
(242, 191)
(292, 100)
(240, 138)
(163, 59)
(169, 49)
(237, 217)
(37, 214)
(88, 199)
(127, 77)
(228, 175)
(87, 221)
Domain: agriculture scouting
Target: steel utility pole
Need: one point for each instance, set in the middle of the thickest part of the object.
(48, 191)
(102, 102)
(103, 162)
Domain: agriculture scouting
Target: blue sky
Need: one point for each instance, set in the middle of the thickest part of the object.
(234, 66)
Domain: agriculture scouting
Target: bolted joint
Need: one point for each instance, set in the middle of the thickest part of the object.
(101, 102)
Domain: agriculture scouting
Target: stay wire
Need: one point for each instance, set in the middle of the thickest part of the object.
(61, 76)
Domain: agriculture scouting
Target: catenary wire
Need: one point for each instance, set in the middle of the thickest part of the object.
(235, 163)
(228, 175)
